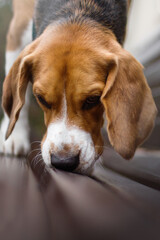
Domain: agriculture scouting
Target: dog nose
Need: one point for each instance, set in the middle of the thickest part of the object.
(66, 164)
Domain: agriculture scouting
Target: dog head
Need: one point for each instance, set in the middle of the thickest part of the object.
(78, 73)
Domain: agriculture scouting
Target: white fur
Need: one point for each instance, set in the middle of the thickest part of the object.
(11, 56)
(61, 132)
(18, 142)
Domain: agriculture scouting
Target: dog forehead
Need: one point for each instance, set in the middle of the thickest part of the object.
(64, 66)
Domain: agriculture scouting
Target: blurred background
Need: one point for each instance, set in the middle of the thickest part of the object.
(36, 114)
(142, 40)
(5, 17)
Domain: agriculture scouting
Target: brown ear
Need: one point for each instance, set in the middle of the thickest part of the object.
(128, 103)
(15, 85)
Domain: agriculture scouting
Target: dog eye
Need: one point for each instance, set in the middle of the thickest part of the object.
(91, 102)
(43, 102)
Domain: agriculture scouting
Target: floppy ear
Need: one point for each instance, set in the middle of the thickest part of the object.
(128, 103)
(15, 85)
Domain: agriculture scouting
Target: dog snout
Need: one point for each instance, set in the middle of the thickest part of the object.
(66, 164)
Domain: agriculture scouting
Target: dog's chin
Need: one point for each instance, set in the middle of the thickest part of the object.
(85, 168)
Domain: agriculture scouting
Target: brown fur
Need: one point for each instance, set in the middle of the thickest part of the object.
(23, 12)
(68, 59)
(129, 3)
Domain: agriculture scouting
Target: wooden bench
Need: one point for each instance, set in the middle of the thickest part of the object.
(121, 201)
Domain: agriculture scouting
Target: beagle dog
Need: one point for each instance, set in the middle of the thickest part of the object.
(79, 71)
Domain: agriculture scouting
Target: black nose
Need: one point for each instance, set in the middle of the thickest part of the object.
(66, 164)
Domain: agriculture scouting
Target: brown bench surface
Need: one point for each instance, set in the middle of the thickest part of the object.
(121, 201)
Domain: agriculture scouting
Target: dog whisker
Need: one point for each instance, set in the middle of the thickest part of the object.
(37, 155)
(34, 150)
(35, 142)
(36, 162)
(39, 161)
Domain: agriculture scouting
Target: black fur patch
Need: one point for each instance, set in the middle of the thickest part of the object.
(109, 13)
